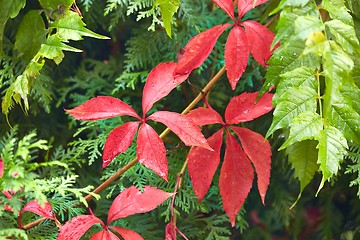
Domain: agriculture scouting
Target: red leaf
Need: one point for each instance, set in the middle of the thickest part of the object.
(104, 235)
(127, 234)
(170, 231)
(203, 163)
(198, 49)
(236, 55)
(151, 151)
(1, 167)
(236, 177)
(34, 207)
(227, 6)
(77, 226)
(102, 107)
(259, 152)
(160, 83)
(183, 127)
(244, 108)
(132, 201)
(260, 39)
(118, 141)
(204, 116)
(245, 5)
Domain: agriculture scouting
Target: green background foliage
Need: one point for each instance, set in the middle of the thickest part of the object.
(51, 60)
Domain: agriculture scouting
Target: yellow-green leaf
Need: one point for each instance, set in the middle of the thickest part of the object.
(168, 9)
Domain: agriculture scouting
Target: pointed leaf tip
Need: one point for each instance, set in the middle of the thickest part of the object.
(132, 201)
(198, 49)
(102, 107)
(151, 151)
(227, 6)
(244, 108)
(160, 82)
(118, 141)
(236, 177)
(259, 152)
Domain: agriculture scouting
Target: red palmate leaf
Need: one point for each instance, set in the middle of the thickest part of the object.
(1, 167)
(259, 152)
(34, 207)
(151, 151)
(104, 235)
(204, 116)
(236, 177)
(182, 126)
(244, 107)
(170, 231)
(203, 163)
(227, 6)
(236, 55)
(102, 107)
(127, 234)
(198, 49)
(118, 141)
(132, 201)
(260, 39)
(245, 5)
(160, 83)
(77, 226)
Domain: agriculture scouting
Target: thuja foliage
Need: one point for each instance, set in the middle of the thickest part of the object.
(274, 86)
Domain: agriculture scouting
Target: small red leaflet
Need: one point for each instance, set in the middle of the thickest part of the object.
(128, 202)
(152, 154)
(255, 38)
(1, 167)
(236, 175)
(34, 207)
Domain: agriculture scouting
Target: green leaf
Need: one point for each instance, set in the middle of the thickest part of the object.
(30, 35)
(291, 104)
(351, 92)
(317, 44)
(332, 150)
(168, 9)
(356, 70)
(69, 26)
(289, 3)
(299, 77)
(303, 158)
(346, 119)
(303, 127)
(337, 10)
(345, 35)
(305, 25)
(53, 49)
(8, 9)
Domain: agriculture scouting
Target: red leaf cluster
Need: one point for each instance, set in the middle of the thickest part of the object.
(128, 202)
(244, 37)
(237, 174)
(34, 207)
(150, 148)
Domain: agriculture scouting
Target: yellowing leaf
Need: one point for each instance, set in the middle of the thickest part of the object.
(168, 9)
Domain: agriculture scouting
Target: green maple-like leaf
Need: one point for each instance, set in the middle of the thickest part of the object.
(304, 127)
(291, 104)
(8, 9)
(345, 35)
(332, 150)
(69, 26)
(303, 158)
(337, 10)
(168, 9)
